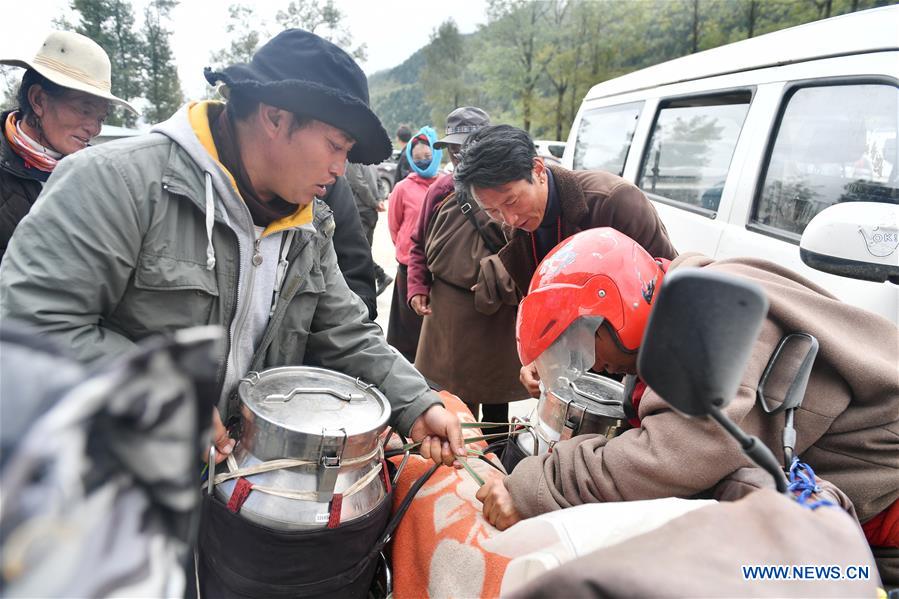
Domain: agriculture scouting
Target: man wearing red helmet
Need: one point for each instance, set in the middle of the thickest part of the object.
(588, 306)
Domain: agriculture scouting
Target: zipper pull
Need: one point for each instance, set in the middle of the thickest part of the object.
(257, 255)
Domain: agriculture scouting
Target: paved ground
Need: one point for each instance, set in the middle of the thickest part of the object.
(383, 253)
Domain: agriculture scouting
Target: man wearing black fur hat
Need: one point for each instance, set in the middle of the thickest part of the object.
(214, 218)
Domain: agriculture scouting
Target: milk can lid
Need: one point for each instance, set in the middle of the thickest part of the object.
(306, 399)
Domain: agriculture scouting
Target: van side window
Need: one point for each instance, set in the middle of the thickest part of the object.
(604, 137)
(556, 150)
(833, 144)
(690, 150)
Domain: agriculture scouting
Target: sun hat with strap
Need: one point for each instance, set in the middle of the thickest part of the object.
(73, 61)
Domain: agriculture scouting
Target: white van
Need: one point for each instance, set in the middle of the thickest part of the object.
(552, 150)
(739, 147)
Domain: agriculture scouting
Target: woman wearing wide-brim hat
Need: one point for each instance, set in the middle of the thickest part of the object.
(62, 101)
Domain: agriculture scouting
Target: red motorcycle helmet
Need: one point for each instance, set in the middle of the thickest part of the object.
(599, 273)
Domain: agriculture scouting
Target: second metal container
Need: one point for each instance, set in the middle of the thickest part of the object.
(591, 404)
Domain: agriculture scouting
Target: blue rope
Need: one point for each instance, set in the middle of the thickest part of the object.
(802, 485)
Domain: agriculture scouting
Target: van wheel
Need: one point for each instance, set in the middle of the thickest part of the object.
(385, 186)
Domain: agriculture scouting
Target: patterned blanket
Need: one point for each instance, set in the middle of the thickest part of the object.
(437, 549)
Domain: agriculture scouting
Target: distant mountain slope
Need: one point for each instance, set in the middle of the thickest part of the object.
(396, 96)
(532, 65)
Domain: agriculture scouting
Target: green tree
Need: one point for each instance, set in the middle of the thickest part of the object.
(245, 36)
(752, 14)
(163, 87)
(533, 61)
(324, 20)
(562, 56)
(443, 78)
(515, 27)
(110, 23)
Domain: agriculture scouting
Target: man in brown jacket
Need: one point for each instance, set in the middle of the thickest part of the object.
(847, 426)
(542, 205)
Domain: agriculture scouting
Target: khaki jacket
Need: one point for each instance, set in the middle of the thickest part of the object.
(19, 187)
(847, 427)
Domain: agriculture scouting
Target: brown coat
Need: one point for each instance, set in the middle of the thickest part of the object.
(701, 554)
(467, 344)
(847, 427)
(590, 199)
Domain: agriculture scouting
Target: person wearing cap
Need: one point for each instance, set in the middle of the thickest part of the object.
(404, 203)
(215, 218)
(588, 306)
(62, 101)
(458, 285)
(541, 205)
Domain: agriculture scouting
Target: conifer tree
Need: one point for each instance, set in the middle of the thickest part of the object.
(110, 23)
(162, 86)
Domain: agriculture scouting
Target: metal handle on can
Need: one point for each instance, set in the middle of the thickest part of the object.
(592, 397)
(284, 398)
(252, 377)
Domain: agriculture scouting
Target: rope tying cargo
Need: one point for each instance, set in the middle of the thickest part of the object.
(803, 485)
(272, 465)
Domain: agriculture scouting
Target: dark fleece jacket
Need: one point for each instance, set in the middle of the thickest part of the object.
(19, 187)
(353, 251)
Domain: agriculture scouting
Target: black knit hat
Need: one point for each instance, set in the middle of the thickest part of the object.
(309, 76)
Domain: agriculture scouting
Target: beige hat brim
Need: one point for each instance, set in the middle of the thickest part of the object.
(69, 82)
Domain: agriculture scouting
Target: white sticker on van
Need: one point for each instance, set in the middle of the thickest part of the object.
(880, 240)
(322, 518)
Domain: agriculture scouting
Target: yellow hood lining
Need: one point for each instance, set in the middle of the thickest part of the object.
(198, 116)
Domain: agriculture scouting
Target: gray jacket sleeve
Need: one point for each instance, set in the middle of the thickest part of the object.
(70, 259)
(342, 339)
(365, 195)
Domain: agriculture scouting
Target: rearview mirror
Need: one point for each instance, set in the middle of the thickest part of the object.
(859, 240)
(697, 342)
(699, 337)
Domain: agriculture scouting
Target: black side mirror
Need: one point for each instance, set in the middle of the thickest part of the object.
(783, 380)
(696, 345)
